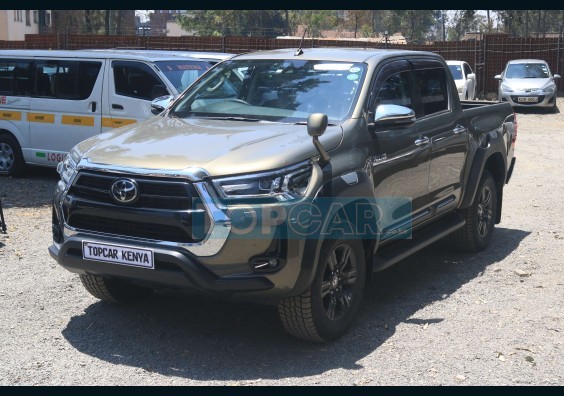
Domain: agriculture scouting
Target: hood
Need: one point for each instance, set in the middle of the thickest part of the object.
(221, 147)
(526, 83)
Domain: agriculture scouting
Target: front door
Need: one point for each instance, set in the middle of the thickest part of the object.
(399, 157)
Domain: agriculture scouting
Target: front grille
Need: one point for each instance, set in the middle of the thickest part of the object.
(167, 209)
(129, 228)
(153, 193)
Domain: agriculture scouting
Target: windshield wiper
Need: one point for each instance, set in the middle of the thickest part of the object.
(232, 118)
(305, 123)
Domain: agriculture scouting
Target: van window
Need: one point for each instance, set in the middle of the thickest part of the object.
(182, 73)
(432, 86)
(137, 80)
(15, 77)
(60, 79)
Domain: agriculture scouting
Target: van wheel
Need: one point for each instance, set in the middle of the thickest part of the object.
(325, 311)
(480, 218)
(11, 158)
(113, 290)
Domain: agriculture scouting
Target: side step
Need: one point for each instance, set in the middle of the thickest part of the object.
(397, 251)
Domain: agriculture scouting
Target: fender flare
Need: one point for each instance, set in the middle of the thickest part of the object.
(346, 189)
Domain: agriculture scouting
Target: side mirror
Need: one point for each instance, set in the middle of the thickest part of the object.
(316, 126)
(471, 76)
(556, 76)
(387, 115)
(158, 105)
(497, 77)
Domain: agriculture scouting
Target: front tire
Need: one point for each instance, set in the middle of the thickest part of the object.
(480, 218)
(11, 158)
(326, 310)
(114, 290)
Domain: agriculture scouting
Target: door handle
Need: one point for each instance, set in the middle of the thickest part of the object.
(117, 106)
(422, 141)
(93, 106)
(459, 129)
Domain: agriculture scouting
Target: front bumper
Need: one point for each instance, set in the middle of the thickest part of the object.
(174, 268)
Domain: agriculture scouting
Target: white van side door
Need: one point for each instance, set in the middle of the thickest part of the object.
(132, 86)
(65, 106)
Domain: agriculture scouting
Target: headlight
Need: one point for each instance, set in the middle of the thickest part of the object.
(506, 88)
(283, 185)
(67, 167)
(549, 88)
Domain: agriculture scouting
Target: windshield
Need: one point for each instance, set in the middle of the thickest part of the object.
(456, 71)
(527, 70)
(274, 90)
(182, 73)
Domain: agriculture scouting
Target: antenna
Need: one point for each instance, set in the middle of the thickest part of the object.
(299, 50)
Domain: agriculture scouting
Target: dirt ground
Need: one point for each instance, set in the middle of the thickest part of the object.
(437, 318)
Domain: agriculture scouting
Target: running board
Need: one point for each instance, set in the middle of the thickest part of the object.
(389, 256)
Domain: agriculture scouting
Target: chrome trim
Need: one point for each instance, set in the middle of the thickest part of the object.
(350, 178)
(459, 129)
(220, 227)
(193, 174)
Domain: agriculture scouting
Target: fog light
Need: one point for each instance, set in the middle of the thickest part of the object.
(265, 264)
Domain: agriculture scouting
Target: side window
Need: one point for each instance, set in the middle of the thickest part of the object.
(432, 86)
(60, 79)
(396, 89)
(15, 76)
(136, 80)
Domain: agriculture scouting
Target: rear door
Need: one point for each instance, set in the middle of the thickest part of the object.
(65, 106)
(445, 130)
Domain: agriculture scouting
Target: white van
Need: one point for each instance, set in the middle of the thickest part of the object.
(52, 100)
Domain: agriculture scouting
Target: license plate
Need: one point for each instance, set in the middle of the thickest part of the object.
(117, 254)
(527, 99)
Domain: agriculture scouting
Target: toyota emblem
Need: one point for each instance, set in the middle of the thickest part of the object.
(124, 190)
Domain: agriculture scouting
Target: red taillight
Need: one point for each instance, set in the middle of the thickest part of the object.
(514, 130)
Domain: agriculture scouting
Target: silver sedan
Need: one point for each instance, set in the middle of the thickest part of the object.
(528, 82)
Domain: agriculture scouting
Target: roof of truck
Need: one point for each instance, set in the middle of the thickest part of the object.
(332, 53)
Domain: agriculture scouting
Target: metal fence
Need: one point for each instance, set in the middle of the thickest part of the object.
(487, 56)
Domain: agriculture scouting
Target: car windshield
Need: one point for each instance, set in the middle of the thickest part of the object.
(181, 73)
(274, 90)
(527, 70)
(456, 71)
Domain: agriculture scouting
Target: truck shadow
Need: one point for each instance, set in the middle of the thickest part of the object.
(203, 339)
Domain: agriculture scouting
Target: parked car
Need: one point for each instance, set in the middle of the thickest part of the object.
(225, 194)
(528, 83)
(464, 78)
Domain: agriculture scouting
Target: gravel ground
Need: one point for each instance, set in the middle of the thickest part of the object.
(437, 318)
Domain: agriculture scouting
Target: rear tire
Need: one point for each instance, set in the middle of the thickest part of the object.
(480, 218)
(326, 310)
(114, 290)
(11, 158)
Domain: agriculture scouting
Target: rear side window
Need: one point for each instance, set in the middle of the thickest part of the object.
(61, 79)
(137, 80)
(432, 86)
(15, 76)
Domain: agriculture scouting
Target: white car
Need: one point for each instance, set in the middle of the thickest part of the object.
(464, 78)
(528, 82)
